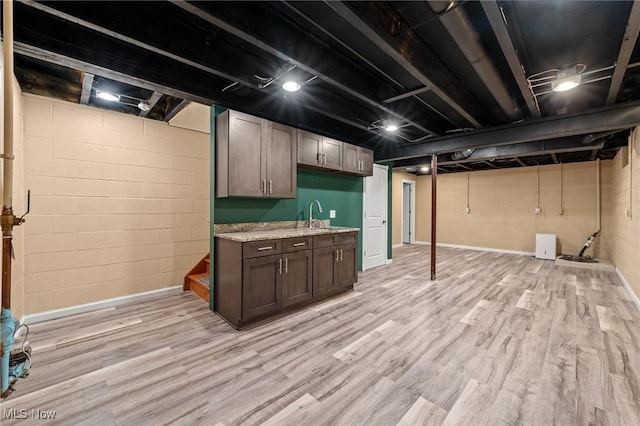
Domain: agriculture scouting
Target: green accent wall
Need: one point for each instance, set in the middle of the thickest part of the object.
(335, 192)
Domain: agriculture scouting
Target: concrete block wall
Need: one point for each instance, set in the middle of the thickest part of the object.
(626, 228)
(120, 204)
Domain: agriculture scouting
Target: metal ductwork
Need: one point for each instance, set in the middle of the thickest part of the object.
(455, 21)
(461, 155)
(592, 138)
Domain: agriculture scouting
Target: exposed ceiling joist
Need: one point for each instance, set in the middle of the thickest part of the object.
(66, 61)
(596, 120)
(136, 43)
(554, 157)
(488, 163)
(464, 167)
(87, 84)
(281, 54)
(392, 47)
(519, 161)
(153, 100)
(626, 50)
(594, 154)
(496, 20)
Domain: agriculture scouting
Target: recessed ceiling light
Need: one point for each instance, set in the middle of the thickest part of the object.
(107, 96)
(391, 127)
(291, 86)
(424, 169)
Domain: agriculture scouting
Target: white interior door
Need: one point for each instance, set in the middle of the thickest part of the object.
(374, 224)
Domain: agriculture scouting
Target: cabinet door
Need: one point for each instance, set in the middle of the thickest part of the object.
(347, 270)
(281, 161)
(297, 277)
(350, 160)
(332, 152)
(324, 270)
(309, 148)
(246, 169)
(261, 286)
(366, 161)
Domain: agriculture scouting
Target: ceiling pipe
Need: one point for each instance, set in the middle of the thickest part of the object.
(457, 24)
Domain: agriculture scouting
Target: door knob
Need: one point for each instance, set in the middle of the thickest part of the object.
(384, 221)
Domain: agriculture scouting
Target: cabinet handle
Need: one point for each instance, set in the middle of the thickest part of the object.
(299, 244)
(265, 248)
(319, 158)
(337, 255)
(270, 186)
(280, 266)
(286, 265)
(340, 255)
(324, 158)
(264, 186)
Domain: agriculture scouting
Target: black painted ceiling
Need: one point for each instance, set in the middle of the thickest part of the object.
(452, 75)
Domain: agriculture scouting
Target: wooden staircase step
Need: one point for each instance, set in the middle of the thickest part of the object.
(199, 284)
(208, 262)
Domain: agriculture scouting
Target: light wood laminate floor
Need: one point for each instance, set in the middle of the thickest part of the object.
(499, 339)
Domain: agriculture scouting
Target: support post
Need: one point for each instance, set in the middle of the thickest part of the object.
(434, 193)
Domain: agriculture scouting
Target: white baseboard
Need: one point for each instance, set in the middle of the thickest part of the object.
(397, 245)
(627, 287)
(94, 306)
(422, 243)
(389, 261)
(493, 250)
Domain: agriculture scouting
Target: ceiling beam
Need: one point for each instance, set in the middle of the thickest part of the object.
(602, 119)
(488, 163)
(153, 100)
(497, 22)
(626, 50)
(515, 151)
(66, 61)
(394, 48)
(87, 85)
(134, 42)
(594, 154)
(281, 53)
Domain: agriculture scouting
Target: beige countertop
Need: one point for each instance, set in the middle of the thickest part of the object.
(275, 234)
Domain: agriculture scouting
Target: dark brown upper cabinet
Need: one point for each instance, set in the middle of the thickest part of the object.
(254, 157)
(356, 160)
(319, 152)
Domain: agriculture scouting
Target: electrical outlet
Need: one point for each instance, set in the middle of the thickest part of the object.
(467, 210)
(332, 214)
(537, 210)
(627, 213)
(561, 212)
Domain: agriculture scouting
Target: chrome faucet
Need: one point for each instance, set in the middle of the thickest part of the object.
(311, 211)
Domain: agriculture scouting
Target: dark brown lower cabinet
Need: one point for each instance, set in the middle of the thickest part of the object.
(261, 286)
(297, 277)
(260, 279)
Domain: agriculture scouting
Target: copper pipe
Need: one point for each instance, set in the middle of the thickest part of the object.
(434, 191)
(6, 273)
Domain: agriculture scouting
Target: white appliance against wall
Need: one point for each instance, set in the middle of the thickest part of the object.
(408, 211)
(375, 220)
(546, 246)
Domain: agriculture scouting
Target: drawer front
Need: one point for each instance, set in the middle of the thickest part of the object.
(347, 238)
(290, 245)
(320, 241)
(261, 248)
